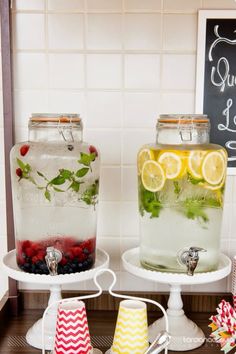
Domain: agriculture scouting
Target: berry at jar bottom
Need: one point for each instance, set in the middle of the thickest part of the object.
(77, 255)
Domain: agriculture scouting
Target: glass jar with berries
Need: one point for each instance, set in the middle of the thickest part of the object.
(55, 182)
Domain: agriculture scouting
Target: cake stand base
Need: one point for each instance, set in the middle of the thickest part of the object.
(185, 334)
(34, 334)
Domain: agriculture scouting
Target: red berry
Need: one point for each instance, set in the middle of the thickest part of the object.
(63, 261)
(41, 255)
(24, 149)
(30, 252)
(35, 259)
(26, 244)
(93, 150)
(19, 172)
(77, 251)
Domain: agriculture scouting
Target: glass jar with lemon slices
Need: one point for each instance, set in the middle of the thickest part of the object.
(181, 181)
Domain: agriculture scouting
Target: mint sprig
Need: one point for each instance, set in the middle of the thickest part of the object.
(75, 179)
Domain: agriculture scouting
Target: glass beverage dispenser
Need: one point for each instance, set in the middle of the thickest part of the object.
(55, 180)
(181, 182)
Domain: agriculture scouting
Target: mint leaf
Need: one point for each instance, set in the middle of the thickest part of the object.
(75, 186)
(149, 202)
(82, 172)
(20, 164)
(27, 168)
(40, 174)
(194, 209)
(47, 195)
(177, 188)
(86, 159)
(66, 174)
(193, 180)
(58, 189)
(31, 179)
(57, 180)
(90, 195)
(93, 156)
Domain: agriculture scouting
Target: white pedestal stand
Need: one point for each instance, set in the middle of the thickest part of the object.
(34, 334)
(185, 334)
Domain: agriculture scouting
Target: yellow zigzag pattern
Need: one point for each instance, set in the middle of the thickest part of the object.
(127, 324)
(134, 311)
(133, 317)
(128, 349)
(126, 333)
(130, 338)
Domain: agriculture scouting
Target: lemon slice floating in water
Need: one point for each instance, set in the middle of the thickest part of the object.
(171, 163)
(153, 176)
(195, 163)
(213, 167)
(143, 156)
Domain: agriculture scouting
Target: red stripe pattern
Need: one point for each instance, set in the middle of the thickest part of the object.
(72, 332)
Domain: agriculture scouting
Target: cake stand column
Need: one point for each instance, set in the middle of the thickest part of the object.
(185, 334)
(179, 324)
(33, 335)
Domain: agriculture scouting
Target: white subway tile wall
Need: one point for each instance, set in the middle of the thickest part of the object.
(119, 63)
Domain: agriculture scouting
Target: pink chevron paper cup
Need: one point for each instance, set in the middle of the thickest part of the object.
(72, 332)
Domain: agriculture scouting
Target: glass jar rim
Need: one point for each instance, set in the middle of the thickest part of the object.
(183, 119)
(55, 118)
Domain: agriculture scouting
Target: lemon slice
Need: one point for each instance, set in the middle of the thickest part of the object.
(213, 167)
(143, 156)
(211, 187)
(171, 163)
(195, 163)
(153, 176)
(225, 155)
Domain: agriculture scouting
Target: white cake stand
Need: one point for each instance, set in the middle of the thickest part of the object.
(34, 334)
(185, 334)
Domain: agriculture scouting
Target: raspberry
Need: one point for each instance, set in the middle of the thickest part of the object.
(35, 259)
(24, 149)
(30, 252)
(41, 255)
(77, 251)
(19, 172)
(93, 150)
(63, 261)
(26, 244)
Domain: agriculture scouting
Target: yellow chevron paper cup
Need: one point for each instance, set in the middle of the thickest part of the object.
(131, 333)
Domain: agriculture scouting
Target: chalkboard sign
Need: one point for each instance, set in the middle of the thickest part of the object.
(216, 77)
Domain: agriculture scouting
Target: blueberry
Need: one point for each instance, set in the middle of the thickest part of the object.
(85, 264)
(90, 260)
(44, 268)
(74, 266)
(66, 269)
(86, 251)
(26, 266)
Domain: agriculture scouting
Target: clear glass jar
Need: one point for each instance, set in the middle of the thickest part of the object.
(55, 181)
(181, 182)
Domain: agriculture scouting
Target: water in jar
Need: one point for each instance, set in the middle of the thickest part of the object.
(55, 194)
(180, 204)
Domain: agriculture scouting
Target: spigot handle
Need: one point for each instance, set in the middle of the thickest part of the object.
(197, 249)
(190, 258)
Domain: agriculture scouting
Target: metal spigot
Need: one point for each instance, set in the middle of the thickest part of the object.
(190, 258)
(53, 257)
(160, 343)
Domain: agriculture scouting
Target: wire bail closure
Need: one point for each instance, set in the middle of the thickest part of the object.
(185, 128)
(163, 338)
